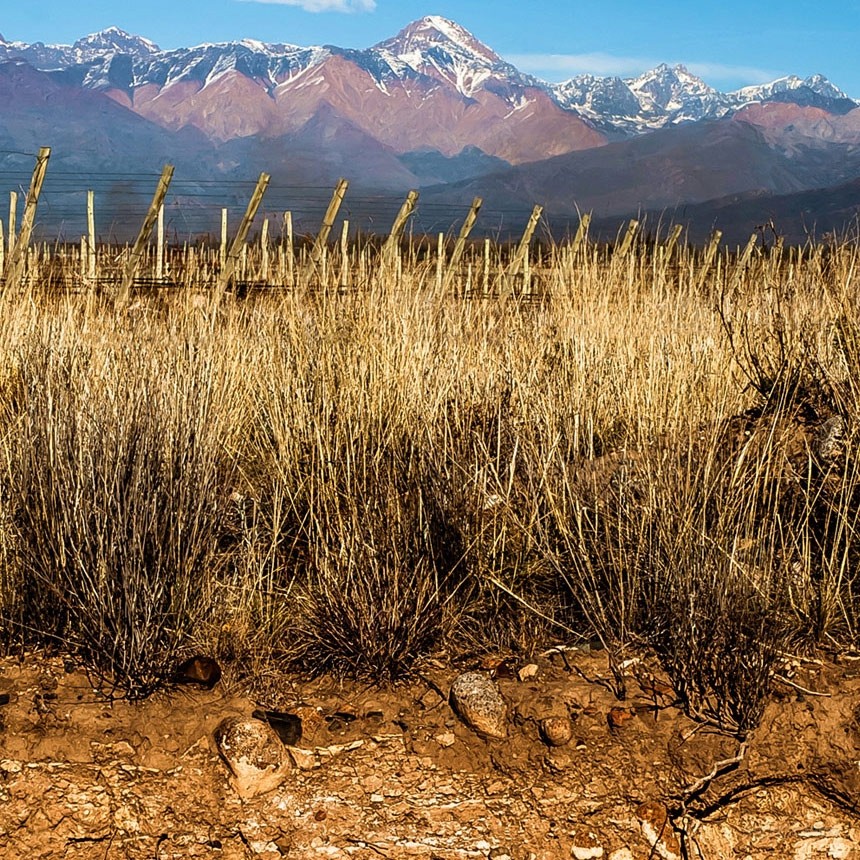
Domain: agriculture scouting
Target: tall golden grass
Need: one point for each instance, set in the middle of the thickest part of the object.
(627, 449)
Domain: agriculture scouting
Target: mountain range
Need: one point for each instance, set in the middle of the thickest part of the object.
(431, 107)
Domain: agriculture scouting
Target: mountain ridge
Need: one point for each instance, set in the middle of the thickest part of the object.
(430, 49)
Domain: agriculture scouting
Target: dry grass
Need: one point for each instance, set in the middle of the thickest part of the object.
(350, 480)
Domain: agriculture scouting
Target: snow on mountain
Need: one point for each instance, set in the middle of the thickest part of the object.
(608, 102)
(671, 95)
(817, 83)
(440, 48)
(667, 95)
(814, 91)
(113, 41)
(430, 52)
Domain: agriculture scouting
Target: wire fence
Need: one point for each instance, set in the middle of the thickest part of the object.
(193, 207)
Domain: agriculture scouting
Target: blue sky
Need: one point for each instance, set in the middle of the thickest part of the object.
(729, 43)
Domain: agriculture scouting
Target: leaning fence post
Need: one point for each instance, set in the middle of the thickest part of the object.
(239, 240)
(709, 256)
(460, 244)
(581, 233)
(523, 247)
(18, 256)
(328, 219)
(143, 235)
(389, 249)
(629, 236)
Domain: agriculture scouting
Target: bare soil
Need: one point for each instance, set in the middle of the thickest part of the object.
(394, 773)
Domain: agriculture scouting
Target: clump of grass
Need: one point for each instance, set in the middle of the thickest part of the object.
(116, 476)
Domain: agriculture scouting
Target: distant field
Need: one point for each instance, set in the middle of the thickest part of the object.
(350, 460)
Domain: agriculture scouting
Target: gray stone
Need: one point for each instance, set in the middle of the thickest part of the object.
(257, 759)
(480, 705)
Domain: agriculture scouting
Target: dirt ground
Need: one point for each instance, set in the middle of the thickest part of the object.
(395, 773)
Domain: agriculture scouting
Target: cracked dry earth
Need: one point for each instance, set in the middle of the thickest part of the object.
(394, 773)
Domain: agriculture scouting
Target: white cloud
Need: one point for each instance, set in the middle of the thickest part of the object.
(559, 65)
(324, 5)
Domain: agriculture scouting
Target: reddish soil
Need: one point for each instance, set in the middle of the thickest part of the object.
(395, 774)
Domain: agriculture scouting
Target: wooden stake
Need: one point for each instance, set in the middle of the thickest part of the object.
(288, 228)
(143, 235)
(486, 284)
(2, 254)
(673, 241)
(264, 251)
(709, 256)
(460, 244)
(393, 240)
(744, 259)
(18, 256)
(13, 217)
(242, 235)
(159, 250)
(523, 247)
(329, 218)
(627, 244)
(581, 233)
(222, 256)
(440, 260)
(344, 254)
(91, 235)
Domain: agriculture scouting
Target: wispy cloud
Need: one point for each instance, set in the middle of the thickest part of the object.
(324, 5)
(561, 65)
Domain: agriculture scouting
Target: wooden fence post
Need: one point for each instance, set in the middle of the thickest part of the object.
(329, 218)
(440, 260)
(18, 256)
(264, 251)
(222, 253)
(288, 229)
(242, 235)
(460, 244)
(673, 241)
(522, 249)
(627, 243)
(744, 259)
(709, 256)
(143, 235)
(581, 233)
(344, 254)
(389, 249)
(159, 249)
(91, 235)
(13, 217)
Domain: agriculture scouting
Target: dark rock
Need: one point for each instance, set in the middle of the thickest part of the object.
(200, 671)
(287, 726)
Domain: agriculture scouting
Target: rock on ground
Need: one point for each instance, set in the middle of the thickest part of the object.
(257, 759)
(480, 704)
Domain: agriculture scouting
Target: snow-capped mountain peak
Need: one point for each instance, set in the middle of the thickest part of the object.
(444, 50)
(670, 88)
(816, 83)
(116, 41)
(434, 32)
